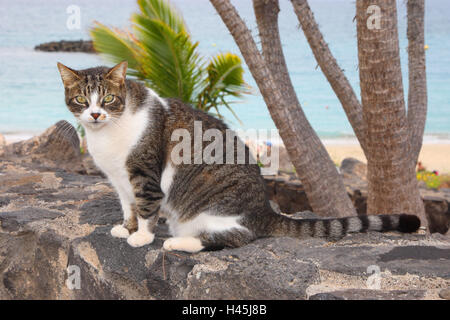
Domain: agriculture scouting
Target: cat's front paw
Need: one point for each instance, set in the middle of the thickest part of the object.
(120, 231)
(139, 239)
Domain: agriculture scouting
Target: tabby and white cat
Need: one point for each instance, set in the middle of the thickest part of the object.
(128, 129)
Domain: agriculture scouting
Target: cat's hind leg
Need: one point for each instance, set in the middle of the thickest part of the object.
(186, 244)
(210, 241)
(144, 234)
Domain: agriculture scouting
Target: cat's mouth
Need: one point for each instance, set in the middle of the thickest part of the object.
(96, 124)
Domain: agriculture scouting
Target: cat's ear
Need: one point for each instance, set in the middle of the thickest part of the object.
(68, 76)
(118, 72)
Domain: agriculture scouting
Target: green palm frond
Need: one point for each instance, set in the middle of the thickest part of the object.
(170, 61)
(225, 78)
(161, 52)
(116, 45)
(163, 11)
(225, 73)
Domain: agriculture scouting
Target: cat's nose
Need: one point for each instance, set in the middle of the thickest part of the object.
(95, 115)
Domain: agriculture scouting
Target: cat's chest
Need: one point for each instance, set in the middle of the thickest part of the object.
(111, 146)
(110, 155)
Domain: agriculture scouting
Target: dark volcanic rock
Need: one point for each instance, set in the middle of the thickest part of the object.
(67, 46)
(255, 272)
(103, 211)
(416, 252)
(4, 201)
(362, 294)
(13, 220)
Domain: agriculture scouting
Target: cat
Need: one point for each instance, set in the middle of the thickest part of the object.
(129, 135)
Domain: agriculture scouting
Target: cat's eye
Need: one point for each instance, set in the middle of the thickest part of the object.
(108, 99)
(81, 100)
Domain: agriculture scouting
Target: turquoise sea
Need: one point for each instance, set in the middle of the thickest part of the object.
(31, 93)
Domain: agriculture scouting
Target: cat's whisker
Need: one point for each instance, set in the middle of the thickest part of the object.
(115, 121)
(62, 131)
(66, 131)
(116, 124)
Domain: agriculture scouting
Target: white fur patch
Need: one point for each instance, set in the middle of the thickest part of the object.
(142, 236)
(93, 105)
(167, 178)
(375, 223)
(335, 228)
(120, 231)
(186, 244)
(354, 224)
(204, 222)
(139, 239)
(154, 95)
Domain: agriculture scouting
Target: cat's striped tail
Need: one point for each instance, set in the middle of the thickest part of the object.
(336, 228)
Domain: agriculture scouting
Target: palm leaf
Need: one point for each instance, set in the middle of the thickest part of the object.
(225, 78)
(163, 11)
(171, 62)
(225, 72)
(227, 105)
(115, 45)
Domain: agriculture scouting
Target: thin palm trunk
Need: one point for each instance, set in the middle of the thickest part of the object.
(266, 13)
(330, 68)
(417, 97)
(322, 182)
(391, 173)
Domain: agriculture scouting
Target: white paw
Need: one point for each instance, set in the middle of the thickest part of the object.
(120, 231)
(187, 244)
(139, 239)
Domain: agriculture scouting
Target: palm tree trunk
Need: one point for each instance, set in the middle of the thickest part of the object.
(323, 185)
(391, 174)
(331, 69)
(266, 13)
(417, 97)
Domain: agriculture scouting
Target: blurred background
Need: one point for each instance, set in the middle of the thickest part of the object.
(32, 96)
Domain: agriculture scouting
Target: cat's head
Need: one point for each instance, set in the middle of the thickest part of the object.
(95, 96)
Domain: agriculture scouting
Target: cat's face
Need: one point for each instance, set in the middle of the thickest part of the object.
(95, 96)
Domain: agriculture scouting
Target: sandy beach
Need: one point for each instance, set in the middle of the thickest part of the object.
(434, 156)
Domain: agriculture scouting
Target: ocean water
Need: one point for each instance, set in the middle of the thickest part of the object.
(31, 93)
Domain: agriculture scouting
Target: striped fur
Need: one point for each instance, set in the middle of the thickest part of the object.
(337, 228)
